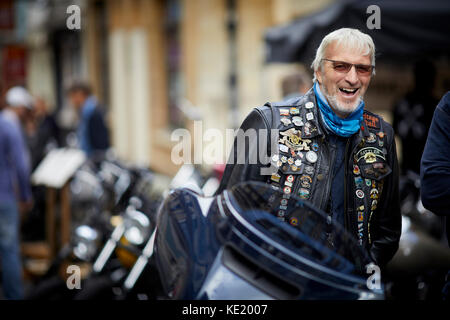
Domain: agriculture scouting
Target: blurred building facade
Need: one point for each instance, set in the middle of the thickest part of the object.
(154, 62)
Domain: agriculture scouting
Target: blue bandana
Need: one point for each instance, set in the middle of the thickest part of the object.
(342, 127)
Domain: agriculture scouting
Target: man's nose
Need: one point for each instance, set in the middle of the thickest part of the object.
(352, 76)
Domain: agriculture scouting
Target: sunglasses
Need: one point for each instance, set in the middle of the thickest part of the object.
(344, 67)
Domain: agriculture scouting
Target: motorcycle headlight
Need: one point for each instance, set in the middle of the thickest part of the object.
(137, 227)
(85, 243)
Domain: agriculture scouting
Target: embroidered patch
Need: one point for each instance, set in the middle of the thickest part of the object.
(371, 121)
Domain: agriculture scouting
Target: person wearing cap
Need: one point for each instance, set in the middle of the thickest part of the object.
(92, 132)
(328, 149)
(19, 103)
(14, 189)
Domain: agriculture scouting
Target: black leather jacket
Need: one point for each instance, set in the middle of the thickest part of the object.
(372, 210)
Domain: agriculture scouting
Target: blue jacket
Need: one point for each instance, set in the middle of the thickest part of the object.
(435, 164)
(92, 131)
(14, 172)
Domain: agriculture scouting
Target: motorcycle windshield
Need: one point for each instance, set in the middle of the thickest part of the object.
(305, 230)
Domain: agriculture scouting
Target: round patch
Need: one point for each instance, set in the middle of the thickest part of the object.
(290, 178)
(287, 190)
(311, 156)
(315, 146)
(360, 194)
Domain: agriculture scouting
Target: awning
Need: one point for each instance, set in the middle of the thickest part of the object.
(409, 28)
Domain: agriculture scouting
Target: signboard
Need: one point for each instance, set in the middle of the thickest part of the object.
(58, 167)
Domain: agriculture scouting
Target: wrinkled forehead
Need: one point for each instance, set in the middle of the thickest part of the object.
(348, 51)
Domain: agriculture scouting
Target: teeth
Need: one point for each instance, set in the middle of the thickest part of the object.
(349, 90)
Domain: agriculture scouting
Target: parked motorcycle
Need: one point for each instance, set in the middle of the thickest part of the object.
(233, 246)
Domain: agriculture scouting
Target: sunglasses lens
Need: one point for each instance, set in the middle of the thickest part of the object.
(363, 69)
(342, 66)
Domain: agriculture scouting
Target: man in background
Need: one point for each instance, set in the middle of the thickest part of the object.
(93, 135)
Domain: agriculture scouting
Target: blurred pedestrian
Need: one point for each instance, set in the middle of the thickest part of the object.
(19, 105)
(435, 169)
(92, 132)
(413, 115)
(14, 186)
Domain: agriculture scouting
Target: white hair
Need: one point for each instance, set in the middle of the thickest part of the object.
(348, 38)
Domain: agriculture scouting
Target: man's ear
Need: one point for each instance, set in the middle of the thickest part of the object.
(318, 75)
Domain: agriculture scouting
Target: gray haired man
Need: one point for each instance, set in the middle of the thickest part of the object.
(331, 151)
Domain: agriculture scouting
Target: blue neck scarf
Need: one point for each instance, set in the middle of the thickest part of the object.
(341, 127)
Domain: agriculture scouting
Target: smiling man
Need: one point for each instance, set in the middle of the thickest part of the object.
(330, 150)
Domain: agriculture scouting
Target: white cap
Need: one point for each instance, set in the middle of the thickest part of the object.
(19, 97)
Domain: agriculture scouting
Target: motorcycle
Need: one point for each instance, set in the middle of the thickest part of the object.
(233, 246)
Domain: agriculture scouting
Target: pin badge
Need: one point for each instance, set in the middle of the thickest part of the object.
(275, 177)
(293, 221)
(284, 159)
(311, 156)
(294, 110)
(315, 146)
(284, 148)
(287, 190)
(297, 121)
(309, 116)
(290, 178)
(309, 170)
(356, 169)
(286, 121)
(360, 194)
(309, 105)
(275, 158)
(298, 163)
(284, 112)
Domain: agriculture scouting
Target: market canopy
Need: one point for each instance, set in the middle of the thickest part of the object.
(409, 28)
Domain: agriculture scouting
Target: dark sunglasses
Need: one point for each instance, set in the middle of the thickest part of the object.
(344, 67)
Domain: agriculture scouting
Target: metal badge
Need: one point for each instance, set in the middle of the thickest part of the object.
(309, 105)
(356, 169)
(286, 121)
(374, 193)
(284, 112)
(309, 116)
(279, 163)
(311, 156)
(298, 163)
(360, 194)
(315, 146)
(309, 170)
(372, 138)
(290, 161)
(300, 155)
(294, 168)
(275, 158)
(368, 182)
(297, 121)
(284, 159)
(280, 214)
(287, 183)
(284, 202)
